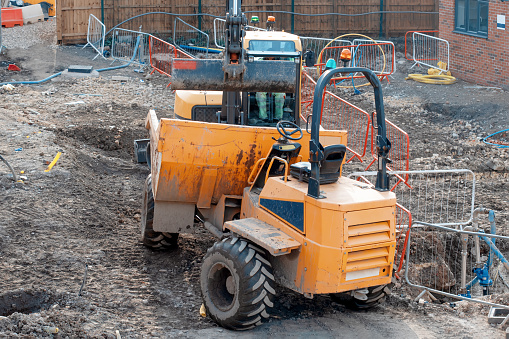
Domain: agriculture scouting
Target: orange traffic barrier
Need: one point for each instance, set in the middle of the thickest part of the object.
(403, 225)
(12, 17)
(337, 114)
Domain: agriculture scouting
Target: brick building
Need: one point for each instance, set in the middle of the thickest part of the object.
(478, 39)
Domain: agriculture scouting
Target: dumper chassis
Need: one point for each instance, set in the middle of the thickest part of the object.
(279, 219)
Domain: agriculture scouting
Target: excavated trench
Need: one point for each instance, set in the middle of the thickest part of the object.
(23, 301)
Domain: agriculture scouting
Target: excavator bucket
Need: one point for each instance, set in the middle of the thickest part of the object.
(255, 76)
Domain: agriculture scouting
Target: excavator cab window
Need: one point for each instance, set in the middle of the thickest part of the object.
(271, 46)
(267, 109)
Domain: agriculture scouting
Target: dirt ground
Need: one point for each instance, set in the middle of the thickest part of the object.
(79, 222)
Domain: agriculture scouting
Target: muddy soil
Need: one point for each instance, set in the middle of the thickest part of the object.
(69, 238)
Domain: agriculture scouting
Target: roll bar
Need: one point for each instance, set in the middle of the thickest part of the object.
(383, 145)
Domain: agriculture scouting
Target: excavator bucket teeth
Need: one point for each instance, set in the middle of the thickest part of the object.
(257, 76)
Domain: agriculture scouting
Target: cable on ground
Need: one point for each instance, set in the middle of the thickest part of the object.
(12, 170)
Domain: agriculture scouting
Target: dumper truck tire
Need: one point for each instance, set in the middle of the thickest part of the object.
(237, 284)
(376, 294)
(150, 238)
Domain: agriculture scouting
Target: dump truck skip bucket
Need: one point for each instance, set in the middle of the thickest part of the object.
(258, 76)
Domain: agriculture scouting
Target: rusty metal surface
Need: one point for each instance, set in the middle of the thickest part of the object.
(258, 76)
(173, 217)
(188, 150)
(272, 239)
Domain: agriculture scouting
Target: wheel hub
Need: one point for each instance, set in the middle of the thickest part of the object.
(222, 286)
(230, 285)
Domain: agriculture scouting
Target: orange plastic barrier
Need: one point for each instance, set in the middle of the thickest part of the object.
(338, 114)
(162, 54)
(12, 17)
(307, 90)
(403, 225)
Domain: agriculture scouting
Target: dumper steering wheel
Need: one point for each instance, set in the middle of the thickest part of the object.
(288, 134)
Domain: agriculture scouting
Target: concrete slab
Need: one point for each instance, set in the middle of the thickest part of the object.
(93, 74)
(80, 69)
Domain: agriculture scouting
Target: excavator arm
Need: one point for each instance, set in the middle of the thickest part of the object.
(240, 70)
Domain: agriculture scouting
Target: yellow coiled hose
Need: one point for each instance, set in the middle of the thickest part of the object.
(432, 79)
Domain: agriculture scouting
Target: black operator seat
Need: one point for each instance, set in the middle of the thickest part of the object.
(330, 165)
(284, 150)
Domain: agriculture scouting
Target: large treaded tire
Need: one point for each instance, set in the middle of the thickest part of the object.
(150, 238)
(237, 284)
(376, 294)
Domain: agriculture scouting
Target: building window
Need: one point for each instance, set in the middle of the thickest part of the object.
(472, 17)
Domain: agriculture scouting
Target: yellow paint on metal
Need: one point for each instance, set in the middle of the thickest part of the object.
(348, 239)
(186, 100)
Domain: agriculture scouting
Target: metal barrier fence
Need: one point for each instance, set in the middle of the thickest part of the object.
(123, 46)
(162, 54)
(407, 40)
(456, 263)
(317, 44)
(220, 32)
(189, 38)
(338, 114)
(95, 35)
(430, 51)
(400, 147)
(441, 197)
(378, 56)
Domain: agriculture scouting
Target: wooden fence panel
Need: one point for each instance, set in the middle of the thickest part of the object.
(72, 16)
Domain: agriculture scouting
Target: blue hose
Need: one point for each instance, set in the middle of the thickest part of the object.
(35, 82)
(490, 143)
(130, 61)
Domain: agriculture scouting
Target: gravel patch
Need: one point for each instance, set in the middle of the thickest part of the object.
(29, 35)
